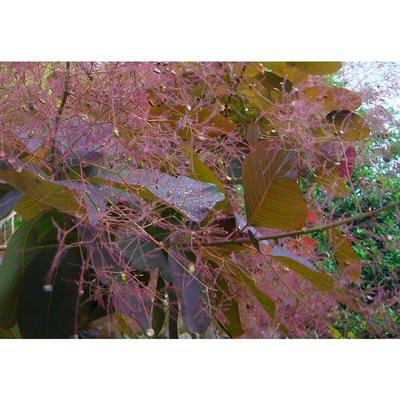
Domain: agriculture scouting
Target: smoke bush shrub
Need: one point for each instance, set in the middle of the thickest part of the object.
(160, 199)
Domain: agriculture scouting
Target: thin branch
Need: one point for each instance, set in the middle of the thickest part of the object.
(60, 111)
(65, 95)
(304, 231)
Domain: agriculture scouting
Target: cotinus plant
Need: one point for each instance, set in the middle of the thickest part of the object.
(175, 199)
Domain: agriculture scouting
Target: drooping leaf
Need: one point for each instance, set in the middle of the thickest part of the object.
(348, 125)
(50, 314)
(27, 241)
(265, 301)
(273, 198)
(303, 267)
(332, 98)
(39, 189)
(192, 198)
(230, 309)
(318, 68)
(190, 292)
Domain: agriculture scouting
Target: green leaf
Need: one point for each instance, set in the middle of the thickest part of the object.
(265, 301)
(273, 198)
(173, 312)
(50, 314)
(159, 314)
(273, 82)
(202, 172)
(318, 68)
(303, 267)
(39, 189)
(230, 310)
(27, 208)
(334, 332)
(11, 333)
(27, 241)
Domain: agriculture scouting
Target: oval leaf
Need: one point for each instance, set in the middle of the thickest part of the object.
(39, 189)
(348, 125)
(318, 68)
(23, 246)
(332, 98)
(52, 314)
(192, 198)
(272, 196)
(265, 301)
(303, 267)
(190, 294)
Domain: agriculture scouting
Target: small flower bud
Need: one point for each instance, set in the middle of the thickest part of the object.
(48, 288)
(192, 268)
(220, 163)
(116, 132)
(150, 332)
